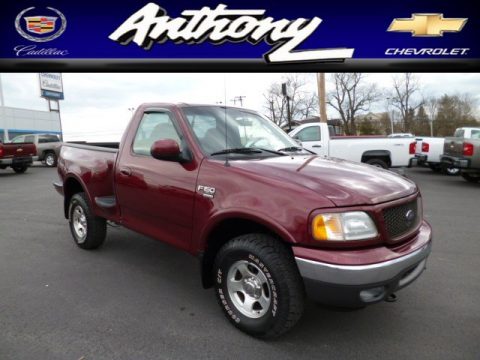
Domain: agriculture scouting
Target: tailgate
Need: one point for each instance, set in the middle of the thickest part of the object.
(18, 150)
(453, 146)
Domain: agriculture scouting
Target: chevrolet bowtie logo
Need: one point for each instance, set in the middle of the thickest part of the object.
(427, 25)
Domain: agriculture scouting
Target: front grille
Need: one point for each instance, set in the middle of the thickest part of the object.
(402, 219)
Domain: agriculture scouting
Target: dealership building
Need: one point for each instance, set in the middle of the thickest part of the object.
(20, 121)
(15, 122)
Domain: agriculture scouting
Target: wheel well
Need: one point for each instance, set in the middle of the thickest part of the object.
(383, 155)
(219, 235)
(72, 186)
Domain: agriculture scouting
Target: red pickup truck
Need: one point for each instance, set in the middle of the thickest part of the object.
(269, 221)
(18, 156)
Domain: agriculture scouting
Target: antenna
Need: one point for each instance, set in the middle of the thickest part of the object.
(225, 107)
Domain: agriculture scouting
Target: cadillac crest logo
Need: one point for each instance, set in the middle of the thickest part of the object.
(35, 27)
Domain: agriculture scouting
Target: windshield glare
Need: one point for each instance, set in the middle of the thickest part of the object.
(244, 129)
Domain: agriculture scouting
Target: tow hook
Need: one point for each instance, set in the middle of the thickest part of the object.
(391, 298)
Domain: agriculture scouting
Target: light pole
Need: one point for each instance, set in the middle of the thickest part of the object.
(131, 109)
(2, 101)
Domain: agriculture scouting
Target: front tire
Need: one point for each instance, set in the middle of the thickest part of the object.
(258, 285)
(88, 231)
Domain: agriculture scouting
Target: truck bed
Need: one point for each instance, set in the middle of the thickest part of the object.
(93, 164)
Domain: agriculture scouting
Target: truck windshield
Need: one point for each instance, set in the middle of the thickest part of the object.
(243, 129)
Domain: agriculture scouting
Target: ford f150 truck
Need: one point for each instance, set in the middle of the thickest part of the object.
(463, 151)
(382, 152)
(269, 221)
(18, 156)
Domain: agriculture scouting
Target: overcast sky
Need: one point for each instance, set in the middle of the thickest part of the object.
(96, 106)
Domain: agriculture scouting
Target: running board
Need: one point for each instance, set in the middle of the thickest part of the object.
(106, 202)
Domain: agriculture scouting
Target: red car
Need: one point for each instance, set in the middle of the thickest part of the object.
(269, 221)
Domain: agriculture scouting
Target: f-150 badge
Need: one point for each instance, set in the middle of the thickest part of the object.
(206, 191)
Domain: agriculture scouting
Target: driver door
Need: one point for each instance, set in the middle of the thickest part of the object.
(156, 196)
(311, 139)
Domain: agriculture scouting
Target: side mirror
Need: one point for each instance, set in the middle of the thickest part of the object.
(166, 149)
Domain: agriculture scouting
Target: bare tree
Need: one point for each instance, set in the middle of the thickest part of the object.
(303, 103)
(351, 96)
(431, 105)
(404, 88)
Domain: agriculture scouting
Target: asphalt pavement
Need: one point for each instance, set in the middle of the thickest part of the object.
(137, 299)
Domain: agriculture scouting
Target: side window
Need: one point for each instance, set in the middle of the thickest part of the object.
(48, 139)
(153, 127)
(18, 139)
(311, 133)
(459, 133)
(475, 134)
(29, 138)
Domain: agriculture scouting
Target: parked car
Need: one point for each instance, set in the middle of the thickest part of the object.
(377, 151)
(268, 220)
(18, 156)
(48, 146)
(463, 151)
(428, 153)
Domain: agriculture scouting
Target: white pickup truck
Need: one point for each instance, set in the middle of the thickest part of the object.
(377, 151)
(429, 150)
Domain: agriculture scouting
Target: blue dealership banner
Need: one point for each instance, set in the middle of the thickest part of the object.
(266, 33)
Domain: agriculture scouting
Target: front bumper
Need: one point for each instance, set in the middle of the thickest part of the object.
(360, 285)
(455, 161)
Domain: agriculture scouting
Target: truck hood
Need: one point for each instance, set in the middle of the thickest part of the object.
(343, 182)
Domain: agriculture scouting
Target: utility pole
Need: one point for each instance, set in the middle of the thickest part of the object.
(240, 100)
(322, 102)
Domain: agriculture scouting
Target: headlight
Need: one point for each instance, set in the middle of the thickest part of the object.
(353, 225)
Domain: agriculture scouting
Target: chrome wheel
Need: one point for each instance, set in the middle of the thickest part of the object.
(248, 289)
(79, 221)
(453, 171)
(49, 160)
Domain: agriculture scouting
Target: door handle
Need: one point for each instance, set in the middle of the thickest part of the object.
(126, 171)
(316, 145)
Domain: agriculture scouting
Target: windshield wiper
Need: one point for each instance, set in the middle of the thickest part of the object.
(237, 151)
(291, 148)
(296, 148)
(247, 150)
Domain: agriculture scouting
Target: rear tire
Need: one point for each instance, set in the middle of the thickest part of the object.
(258, 285)
(20, 169)
(377, 163)
(88, 231)
(470, 178)
(50, 159)
(435, 168)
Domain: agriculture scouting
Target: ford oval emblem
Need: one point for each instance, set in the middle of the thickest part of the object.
(410, 215)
